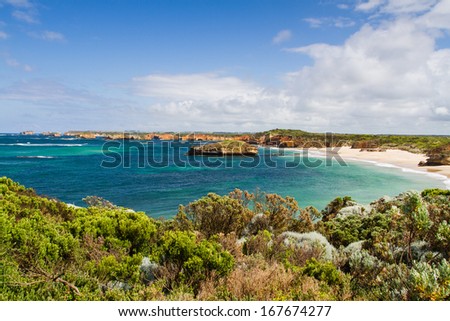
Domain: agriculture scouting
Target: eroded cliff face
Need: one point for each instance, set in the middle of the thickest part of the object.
(366, 144)
(225, 148)
(437, 157)
(150, 136)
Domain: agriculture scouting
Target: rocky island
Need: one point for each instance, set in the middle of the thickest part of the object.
(225, 148)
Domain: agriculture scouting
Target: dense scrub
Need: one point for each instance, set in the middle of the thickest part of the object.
(240, 246)
(413, 143)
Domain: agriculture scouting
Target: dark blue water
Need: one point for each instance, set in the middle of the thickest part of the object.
(156, 177)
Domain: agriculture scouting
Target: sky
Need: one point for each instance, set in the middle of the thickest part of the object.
(347, 66)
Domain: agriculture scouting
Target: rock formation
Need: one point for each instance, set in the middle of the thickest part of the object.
(437, 157)
(225, 148)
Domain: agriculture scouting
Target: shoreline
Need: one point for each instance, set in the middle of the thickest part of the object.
(392, 158)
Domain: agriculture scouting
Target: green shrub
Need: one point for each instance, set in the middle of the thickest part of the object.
(430, 282)
(215, 214)
(331, 210)
(432, 192)
(323, 271)
(191, 260)
(131, 231)
(50, 251)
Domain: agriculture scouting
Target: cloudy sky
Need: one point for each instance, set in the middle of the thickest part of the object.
(374, 66)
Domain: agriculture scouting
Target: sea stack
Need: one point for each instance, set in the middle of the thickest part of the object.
(225, 148)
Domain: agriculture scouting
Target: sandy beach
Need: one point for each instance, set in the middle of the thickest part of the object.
(395, 157)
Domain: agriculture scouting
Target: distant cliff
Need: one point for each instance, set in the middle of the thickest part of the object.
(153, 135)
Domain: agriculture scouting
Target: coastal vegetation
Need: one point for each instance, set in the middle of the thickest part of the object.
(240, 246)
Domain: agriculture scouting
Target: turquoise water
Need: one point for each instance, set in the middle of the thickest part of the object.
(71, 169)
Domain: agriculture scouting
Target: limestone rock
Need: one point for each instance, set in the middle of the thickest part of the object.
(225, 148)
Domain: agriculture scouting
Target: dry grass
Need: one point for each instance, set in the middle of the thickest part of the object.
(259, 280)
(230, 243)
(253, 280)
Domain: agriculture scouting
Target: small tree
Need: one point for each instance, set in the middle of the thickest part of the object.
(187, 260)
(335, 206)
(215, 214)
(280, 211)
(417, 219)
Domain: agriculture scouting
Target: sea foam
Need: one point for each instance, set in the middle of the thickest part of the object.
(44, 145)
(40, 157)
(440, 177)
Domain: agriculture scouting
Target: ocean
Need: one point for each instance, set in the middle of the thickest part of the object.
(156, 176)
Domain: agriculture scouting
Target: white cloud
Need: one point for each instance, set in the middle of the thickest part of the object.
(213, 102)
(369, 5)
(397, 7)
(52, 36)
(343, 22)
(48, 36)
(23, 10)
(437, 17)
(204, 87)
(267, 110)
(388, 77)
(343, 6)
(3, 35)
(12, 63)
(16, 64)
(48, 105)
(338, 22)
(19, 3)
(314, 22)
(282, 36)
(27, 68)
(409, 6)
(55, 94)
(443, 111)
(384, 78)
(28, 17)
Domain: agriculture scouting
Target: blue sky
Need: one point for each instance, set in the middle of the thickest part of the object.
(376, 66)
